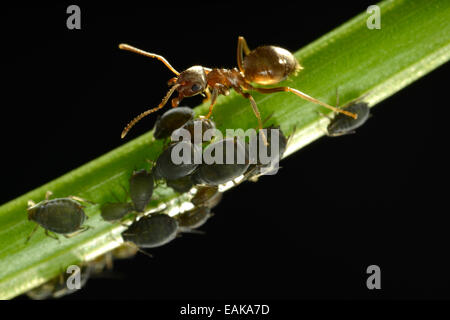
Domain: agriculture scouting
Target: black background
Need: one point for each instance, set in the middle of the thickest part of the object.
(67, 94)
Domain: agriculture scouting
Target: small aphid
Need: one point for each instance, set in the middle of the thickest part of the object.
(181, 185)
(62, 215)
(172, 120)
(264, 65)
(57, 287)
(141, 189)
(197, 128)
(259, 168)
(114, 211)
(165, 167)
(152, 231)
(342, 125)
(221, 172)
(194, 218)
(207, 196)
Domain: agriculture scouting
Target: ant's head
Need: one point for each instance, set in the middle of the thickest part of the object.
(191, 82)
(188, 83)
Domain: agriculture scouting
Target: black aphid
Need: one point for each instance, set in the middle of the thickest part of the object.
(272, 160)
(141, 189)
(220, 171)
(342, 125)
(207, 196)
(113, 211)
(194, 218)
(62, 215)
(177, 161)
(152, 231)
(181, 185)
(196, 128)
(172, 120)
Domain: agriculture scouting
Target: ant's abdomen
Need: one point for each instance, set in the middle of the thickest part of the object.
(269, 65)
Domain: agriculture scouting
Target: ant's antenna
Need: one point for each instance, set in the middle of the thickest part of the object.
(127, 47)
(143, 114)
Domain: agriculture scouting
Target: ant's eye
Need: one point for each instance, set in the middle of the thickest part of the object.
(195, 87)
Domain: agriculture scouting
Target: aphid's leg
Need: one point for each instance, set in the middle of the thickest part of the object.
(31, 203)
(80, 199)
(242, 48)
(305, 97)
(80, 230)
(256, 112)
(194, 231)
(339, 134)
(31, 233)
(143, 114)
(132, 245)
(48, 194)
(51, 235)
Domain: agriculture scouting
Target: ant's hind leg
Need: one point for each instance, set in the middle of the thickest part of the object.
(242, 48)
(305, 97)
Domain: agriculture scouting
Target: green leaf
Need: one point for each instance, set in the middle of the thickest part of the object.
(413, 40)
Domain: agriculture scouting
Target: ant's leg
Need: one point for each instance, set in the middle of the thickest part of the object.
(306, 97)
(215, 93)
(256, 112)
(206, 95)
(241, 49)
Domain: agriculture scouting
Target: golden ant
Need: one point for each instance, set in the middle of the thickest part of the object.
(264, 65)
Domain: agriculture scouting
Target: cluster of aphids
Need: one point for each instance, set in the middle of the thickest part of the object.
(264, 65)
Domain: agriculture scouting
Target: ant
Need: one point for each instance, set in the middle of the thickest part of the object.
(265, 65)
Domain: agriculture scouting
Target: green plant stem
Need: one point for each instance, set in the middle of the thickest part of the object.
(413, 40)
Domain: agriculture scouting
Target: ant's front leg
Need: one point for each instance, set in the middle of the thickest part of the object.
(216, 90)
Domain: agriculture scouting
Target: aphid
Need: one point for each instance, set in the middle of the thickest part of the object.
(62, 215)
(194, 218)
(141, 189)
(172, 120)
(166, 168)
(152, 231)
(114, 211)
(342, 125)
(207, 196)
(264, 65)
(219, 171)
(57, 287)
(261, 168)
(197, 128)
(181, 185)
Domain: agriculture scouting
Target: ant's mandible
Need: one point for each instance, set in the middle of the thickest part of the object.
(265, 65)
